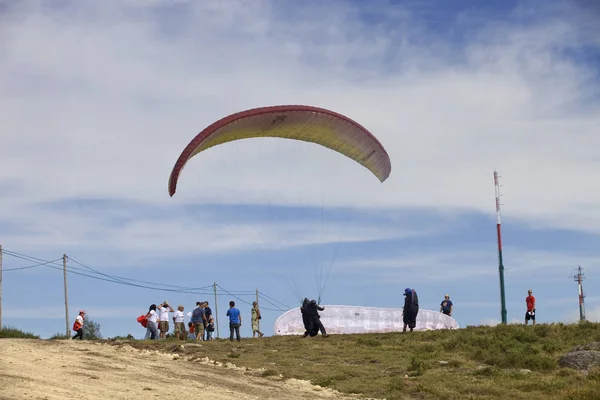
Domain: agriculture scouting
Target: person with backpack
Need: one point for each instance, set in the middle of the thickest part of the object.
(411, 309)
(151, 327)
(78, 325)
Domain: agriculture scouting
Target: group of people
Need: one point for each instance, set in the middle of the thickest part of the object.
(201, 326)
(411, 308)
(156, 321)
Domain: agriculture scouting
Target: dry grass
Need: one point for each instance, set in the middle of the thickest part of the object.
(481, 362)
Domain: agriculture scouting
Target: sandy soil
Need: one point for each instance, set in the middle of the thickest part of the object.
(49, 370)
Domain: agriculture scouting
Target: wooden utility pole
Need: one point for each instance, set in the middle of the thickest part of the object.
(216, 308)
(0, 287)
(66, 295)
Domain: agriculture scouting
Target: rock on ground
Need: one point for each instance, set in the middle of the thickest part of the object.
(580, 359)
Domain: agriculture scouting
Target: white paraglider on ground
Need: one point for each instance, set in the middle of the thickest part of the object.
(357, 319)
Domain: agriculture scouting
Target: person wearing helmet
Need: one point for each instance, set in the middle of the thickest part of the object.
(311, 308)
(411, 309)
(78, 325)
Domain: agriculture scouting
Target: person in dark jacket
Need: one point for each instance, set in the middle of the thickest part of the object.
(314, 325)
(411, 309)
(306, 318)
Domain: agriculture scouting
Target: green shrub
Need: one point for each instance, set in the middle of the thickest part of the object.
(10, 332)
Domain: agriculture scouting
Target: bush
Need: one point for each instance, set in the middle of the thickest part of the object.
(10, 332)
(91, 330)
(59, 336)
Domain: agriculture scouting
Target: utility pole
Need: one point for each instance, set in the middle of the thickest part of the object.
(0, 287)
(500, 263)
(66, 295)
(216, 308)
(579, 277)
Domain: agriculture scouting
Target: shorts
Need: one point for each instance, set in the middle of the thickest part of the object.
(179, 327)
(163, 326)
(199, 328)
(530, 316)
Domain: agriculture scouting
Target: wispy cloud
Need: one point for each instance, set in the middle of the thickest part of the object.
(446, 121)
(448, 264)
(99, 99)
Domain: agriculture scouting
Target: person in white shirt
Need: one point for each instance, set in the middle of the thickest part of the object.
(178, 318)
(78, 325)
(151, 329)
(163, 318)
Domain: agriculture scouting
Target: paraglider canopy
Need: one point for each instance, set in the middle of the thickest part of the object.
(306, 123)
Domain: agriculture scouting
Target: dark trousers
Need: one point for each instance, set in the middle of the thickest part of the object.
(79, 334)
(234, 327)
(318, 326)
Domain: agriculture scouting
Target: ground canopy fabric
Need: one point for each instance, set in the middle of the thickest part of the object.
(356, 319)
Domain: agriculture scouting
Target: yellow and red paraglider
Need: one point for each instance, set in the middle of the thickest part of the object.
(306, 123)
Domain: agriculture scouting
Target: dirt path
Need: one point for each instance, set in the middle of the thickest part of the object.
(53, 370)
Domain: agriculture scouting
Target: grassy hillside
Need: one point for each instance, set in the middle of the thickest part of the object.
(503, 362)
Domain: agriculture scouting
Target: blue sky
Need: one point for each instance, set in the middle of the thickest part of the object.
(99, 99)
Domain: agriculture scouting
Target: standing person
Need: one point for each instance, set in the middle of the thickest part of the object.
(308, 328)
(210, 328)
(446, 306)
(208, 315)
(78, 325)
(191, 335)
(163, 319)
(199, 320)
(235, 321)
(312, 308)
(255, 320)
(151, 329)
(178, 321)
(411, 309)
(530, 301)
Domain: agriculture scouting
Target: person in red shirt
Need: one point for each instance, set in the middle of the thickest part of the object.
(530, 314)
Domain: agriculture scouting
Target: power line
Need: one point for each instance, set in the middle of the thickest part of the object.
(138, 280)
(269, 297)
(128, 281)
(270, 302)
(109, 278)
(244, 301)
(31, 266)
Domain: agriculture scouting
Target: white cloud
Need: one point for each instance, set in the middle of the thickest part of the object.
(449, 264)
(111, 228)
(99, 100)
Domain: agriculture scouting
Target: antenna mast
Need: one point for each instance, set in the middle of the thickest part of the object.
(500, 263)
(579, 277)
